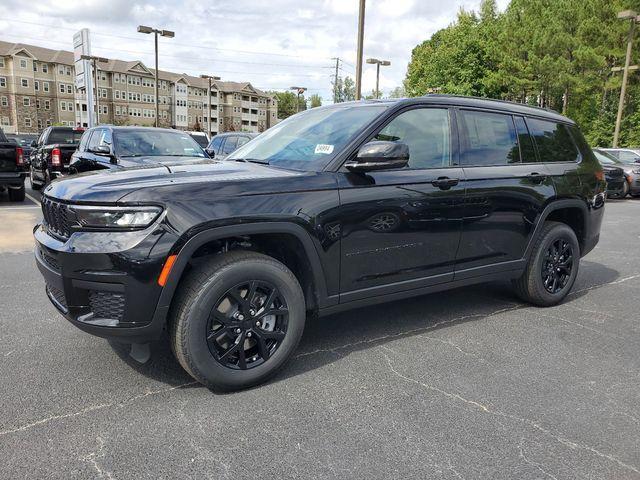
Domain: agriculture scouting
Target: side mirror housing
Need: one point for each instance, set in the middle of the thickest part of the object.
(380, 155)
(210, 151)
(34, 144)
(101, 150)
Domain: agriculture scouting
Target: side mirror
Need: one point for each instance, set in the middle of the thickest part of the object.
(34, 144)
(210, 151)
(380, 155)
(101, 150)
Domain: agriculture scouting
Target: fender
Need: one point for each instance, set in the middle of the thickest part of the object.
(551, 207)
(187, 250)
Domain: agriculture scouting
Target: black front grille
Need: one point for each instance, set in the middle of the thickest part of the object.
(58, 296)
(614, 173)
(56, 217)
(107, 304)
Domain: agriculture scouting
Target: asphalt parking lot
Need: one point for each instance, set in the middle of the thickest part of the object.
(464, 384)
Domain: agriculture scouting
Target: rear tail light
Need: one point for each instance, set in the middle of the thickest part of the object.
(19, 156)
(56, 157)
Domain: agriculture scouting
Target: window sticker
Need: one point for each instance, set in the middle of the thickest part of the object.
(326, 149)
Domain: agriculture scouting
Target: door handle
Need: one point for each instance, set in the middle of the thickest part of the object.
(536, 177)
(445, 183)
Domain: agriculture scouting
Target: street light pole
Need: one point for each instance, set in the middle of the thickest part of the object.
(359, 52)
(384, 63)
(93, 59)
(209, 78)
(633, 16)
(299, 91)
(164, 33)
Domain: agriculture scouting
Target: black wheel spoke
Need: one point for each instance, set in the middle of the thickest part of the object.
(242, 358)
(251, 293)
(262, 345)
(557, 266)
(231, 350)
(275, 335)
(236, 294)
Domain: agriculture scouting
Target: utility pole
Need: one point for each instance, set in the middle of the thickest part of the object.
(359, 52)
(384, 63)
(164, 33)
(633, 16)
(93, 59)
(335, 83)
(209, 78)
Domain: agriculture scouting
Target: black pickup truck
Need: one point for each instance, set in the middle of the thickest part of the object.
(12, 168)
(51, 154)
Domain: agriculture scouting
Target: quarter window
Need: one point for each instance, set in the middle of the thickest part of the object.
(215, 144)
(527, 150)
(553, 140)
(230, 145)
(489, 139)
(426, 132)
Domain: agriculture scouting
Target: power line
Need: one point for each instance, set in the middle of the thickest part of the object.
(246, 52)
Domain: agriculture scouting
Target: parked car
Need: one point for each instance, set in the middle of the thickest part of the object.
(335, 208)
(12, 168)
(614, 174)
(24, 141)
(201, 137)
(628, 164)
(624, 154)
(224, 144)
(114, 148)
(51, 153)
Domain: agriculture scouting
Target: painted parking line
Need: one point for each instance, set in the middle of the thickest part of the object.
(37, 202)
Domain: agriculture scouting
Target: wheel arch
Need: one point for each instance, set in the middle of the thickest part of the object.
(185, 255)
(572, 212)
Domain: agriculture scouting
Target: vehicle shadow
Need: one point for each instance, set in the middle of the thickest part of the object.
(334, 337)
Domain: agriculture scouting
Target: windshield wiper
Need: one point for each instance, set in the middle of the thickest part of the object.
(252, 160)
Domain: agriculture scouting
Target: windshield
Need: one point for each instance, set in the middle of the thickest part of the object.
(68, 137)
(156, 143)
(309, 140)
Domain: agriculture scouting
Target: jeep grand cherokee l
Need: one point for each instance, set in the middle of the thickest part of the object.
(334, 208)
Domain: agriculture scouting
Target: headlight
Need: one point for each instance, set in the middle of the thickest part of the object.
(636, 171)
(115, 217)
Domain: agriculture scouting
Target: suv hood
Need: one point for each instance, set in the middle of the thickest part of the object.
(154, 161)
(111, 186)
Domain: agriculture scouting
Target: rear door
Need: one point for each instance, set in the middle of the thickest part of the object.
(506, 191)
(229, 145)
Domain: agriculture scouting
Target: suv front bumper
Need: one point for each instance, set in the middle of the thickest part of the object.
(106, 292)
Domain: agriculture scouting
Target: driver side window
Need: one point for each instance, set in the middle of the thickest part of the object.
(427, 133)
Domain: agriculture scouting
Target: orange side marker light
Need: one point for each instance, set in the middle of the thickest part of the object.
(166, 270)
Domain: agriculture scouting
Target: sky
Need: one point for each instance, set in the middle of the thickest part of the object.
(273, 44)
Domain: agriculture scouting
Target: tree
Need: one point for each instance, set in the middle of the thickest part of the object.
(287, 103)
(397, 92)
(345, 89)
(315, 100)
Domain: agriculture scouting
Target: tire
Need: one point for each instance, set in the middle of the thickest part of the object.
(625, 190)
(530, 287)
(34, 185)
(197, 298)
(17, 194)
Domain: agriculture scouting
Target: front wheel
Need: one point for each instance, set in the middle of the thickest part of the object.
(236, 320)
(552, 267)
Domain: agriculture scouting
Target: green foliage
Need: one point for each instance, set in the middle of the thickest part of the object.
(287, 103)
(346, 89)
(550, 53)
(315, 100)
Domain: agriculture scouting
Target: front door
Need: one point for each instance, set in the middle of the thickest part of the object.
(400, 228)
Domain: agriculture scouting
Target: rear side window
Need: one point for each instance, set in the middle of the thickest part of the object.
(527, 150)
(84, 140)
(95, 139)
(242, 141)
(627, 156)
(553, 141)
(489, 139)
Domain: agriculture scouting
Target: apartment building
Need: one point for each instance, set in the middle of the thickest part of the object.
(37, 89)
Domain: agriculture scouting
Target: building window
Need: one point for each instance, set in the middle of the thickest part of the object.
(45, 68)
(23, 63)
(35, 67)
(5, 121)
(47, 105)
(27, 122)
(48, 123)
(60, 69)
(69, 89)
(3, 82)
(26, 102)
(37, 103)
(45, 86)
(116, 93)
(24, 82)
(1, 62)
(63, 106)
(4, 101)
(39, 124)
(62, 88)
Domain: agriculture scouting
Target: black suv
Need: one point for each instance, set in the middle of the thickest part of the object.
(224, 144)
(334, 208)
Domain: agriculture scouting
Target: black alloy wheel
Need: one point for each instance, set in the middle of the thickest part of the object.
(247, 325)
(557, 265)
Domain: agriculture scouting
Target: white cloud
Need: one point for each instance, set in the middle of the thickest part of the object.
(292, 43)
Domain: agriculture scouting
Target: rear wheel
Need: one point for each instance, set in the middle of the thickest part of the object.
(17, 194)
(236, 320)
(552, 267)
